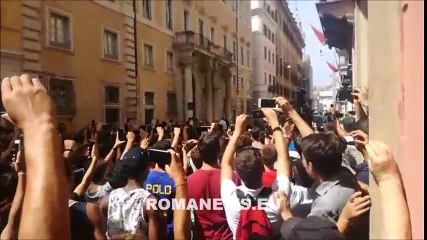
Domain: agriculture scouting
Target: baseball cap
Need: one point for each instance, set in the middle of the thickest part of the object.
(312, 227)
(135, 159)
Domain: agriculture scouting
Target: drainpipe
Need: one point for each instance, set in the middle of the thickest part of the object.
(138, 90)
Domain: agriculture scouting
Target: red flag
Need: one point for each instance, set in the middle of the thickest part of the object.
(332, 67)
(319, 34)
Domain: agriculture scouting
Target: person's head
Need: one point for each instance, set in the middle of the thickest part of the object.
(348, 123)
(8, 183)
(162, 145)
(135, 164)
(243, 141)
(255, 133)
(196, 158)
(99, 173)
(223, 142)
(322, 154)
(209, 147)
(312, 227)
(249, 167)
(269, 155)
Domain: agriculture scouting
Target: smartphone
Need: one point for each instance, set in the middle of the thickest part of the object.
(122, 134)
(266, 103)
(161, 157)
(93, 124)
(257, 114)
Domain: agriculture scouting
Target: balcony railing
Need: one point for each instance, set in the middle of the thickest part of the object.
(190, 39)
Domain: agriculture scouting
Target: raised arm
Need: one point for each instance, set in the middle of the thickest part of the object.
(175, 141)
(181, 216)
(396, 218)
(283, 161)
(302, 126)
(84, 184)
(228, 157)
(45, 209)
(12, 227)
(130, 136)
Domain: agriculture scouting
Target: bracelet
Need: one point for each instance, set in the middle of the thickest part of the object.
(182, 183)
(21, 173)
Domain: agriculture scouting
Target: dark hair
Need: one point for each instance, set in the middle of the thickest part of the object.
(98, 172)
(243, 141)
(223, 142)
(362, 125)
(209, 148)
(197, 159)
(8, 182)
(269, 155)
(118, 177)
(324, 151)
(249, 167)
(255, 132)
(162, 145)
(348, 123)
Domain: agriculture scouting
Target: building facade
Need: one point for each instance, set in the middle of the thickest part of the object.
(134, 60)
(277, 51)
(386, 53)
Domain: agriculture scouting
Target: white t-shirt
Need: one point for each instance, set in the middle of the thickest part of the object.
(232, 205)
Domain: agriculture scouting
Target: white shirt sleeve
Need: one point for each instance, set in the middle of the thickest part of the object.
(298, 195)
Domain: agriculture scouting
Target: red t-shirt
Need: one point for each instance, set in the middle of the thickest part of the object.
(268, 178)
(205, 184)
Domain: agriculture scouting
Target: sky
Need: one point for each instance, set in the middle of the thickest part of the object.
(319, 54)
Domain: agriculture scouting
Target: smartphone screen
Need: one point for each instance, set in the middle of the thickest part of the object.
(232, 126)
(266, 103)
(122, 134)
(161, 157)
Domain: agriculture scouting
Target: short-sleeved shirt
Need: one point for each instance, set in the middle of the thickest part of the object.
(161, 185)
(205, 184)
(233, 208)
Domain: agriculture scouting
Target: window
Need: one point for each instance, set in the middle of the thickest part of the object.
(241, 56)
(274, 80)
(111, 95)
(62, 93)
(149, 98)
(172, 108)
(169, 14)
(273, 58)
(225, 42)
(269, 55)
(234, 80)
(248, 58)
(148, 115)
(186, 20)
(268, 34)
(201, 32)
(212, 35)
(265, 78)
(146, 5)
(234, 51)
(272, 37)
(149, 55)
(111, 45)
(269, 79)
(59, 34)
(112, 105)
(265, 52)
(170, 61)
(265, 30)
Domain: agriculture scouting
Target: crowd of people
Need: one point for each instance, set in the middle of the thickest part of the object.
(269, 178)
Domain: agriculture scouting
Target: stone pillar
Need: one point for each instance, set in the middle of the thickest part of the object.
(188, 79)
(228, 99)
(198, 96)
(209, 97)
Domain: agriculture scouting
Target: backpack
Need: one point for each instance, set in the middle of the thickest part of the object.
(253, 222)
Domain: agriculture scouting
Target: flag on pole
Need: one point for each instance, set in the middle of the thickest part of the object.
(332, 67)
(319, 34)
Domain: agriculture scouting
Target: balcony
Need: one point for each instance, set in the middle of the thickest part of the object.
(191, 41)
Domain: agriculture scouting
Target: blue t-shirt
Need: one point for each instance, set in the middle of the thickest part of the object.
(162, 186)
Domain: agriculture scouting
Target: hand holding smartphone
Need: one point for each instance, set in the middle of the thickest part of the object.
(161, 157)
